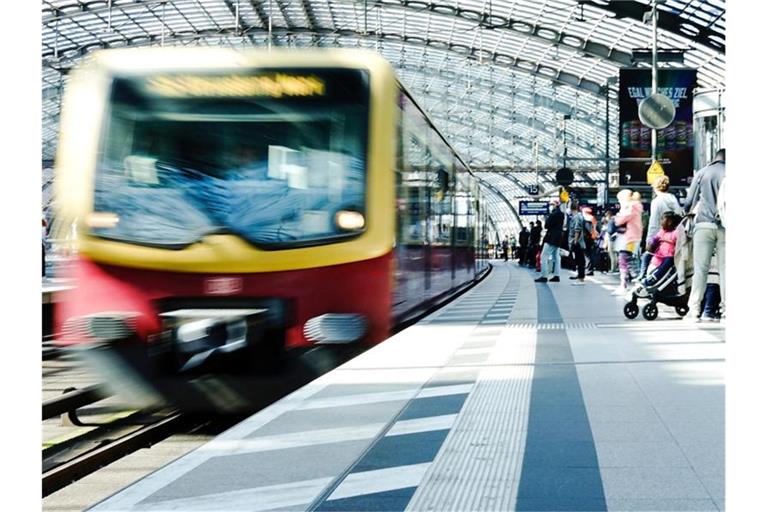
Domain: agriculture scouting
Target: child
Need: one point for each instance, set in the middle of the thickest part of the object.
(662, 245)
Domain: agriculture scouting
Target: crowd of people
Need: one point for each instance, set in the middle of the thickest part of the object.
(639, 246)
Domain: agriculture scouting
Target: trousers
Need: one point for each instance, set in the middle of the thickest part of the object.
(550, 253)
(707, 238)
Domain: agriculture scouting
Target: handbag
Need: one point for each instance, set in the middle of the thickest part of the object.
(613, 228)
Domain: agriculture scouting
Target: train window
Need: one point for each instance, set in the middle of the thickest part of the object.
(272, 156)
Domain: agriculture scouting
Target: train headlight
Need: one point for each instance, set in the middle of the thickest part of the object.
(335, 328)
(102, 220)
(105, 326)
(349, 220)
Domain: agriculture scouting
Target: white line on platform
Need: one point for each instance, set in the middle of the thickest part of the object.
(418, 425)
(380, 480)
(457, 389)
(292, 494)
(293, 440)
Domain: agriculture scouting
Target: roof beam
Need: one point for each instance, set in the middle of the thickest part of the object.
(236, 16)
(537, 100)
(310, 14)
(667, 21)
(501, 60)
(516, 26)
(500, 195)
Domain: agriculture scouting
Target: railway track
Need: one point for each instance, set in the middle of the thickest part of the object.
(66, 462)
(106, 445)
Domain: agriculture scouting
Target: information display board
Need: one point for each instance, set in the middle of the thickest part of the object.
(674, 143)
(534, 208)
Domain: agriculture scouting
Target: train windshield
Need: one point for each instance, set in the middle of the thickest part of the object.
(277, 157)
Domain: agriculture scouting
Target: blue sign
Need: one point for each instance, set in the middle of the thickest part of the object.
(534, 208)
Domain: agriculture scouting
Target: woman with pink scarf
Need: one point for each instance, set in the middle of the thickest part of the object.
(626, 243)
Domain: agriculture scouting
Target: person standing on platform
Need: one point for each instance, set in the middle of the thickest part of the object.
(576, 241)
(524, 236)
(590, 236)
(550, 253)
(505, 248)
(626, 243)
(708, 231)
(608, 239)
(533, 243)
(662, 203)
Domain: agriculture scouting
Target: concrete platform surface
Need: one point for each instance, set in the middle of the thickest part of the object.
(516, 396)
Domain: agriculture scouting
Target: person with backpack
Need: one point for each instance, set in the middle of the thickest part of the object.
(708, 231)
(576, 242)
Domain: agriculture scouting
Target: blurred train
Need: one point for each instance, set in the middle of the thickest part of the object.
(232, 207)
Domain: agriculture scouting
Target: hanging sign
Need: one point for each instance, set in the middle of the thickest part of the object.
(534, 207)
(654, 171)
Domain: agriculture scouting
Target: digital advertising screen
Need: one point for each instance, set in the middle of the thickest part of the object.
(674, 143)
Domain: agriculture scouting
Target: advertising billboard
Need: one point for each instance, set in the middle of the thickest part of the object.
(674, 143)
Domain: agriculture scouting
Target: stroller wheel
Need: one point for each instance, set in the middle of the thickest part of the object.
(650, 311)
(681, 310)
(631, 310)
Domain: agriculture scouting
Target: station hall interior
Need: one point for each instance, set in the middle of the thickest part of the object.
(389, 255)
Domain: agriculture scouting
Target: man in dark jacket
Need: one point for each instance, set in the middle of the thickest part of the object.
(533, 243)
(550, 253)
(523, 247)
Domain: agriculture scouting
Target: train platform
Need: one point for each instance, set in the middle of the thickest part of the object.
(515, 396)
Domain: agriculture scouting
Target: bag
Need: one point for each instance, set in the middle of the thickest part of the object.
(613, 228)
(588, 228)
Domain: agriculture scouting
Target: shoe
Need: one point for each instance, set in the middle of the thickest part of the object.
(705, 318)
(573, 277)
(540, 280)
(591, 273)
(555, 279)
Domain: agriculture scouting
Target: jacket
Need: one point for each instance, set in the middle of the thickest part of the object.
(663, 202)
(704, 191)
(631, 217)
(554, 227)
(576, 225)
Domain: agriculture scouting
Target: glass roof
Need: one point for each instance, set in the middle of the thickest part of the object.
(496, 76)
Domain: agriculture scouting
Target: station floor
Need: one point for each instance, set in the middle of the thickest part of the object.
(516, 396)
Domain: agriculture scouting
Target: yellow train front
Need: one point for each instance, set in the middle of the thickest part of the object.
(232, 207)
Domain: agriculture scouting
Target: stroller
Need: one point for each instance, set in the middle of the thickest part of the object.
(659, 287)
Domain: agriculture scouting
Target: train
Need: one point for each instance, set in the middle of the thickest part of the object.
(233, 208)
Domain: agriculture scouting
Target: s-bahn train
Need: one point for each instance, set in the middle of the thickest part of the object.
(235, 206)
